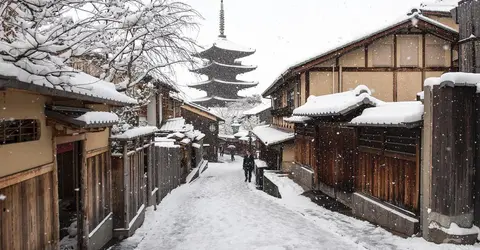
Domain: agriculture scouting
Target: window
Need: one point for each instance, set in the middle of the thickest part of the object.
(277, 102)
(16, 131)
(291, 98)
(408, 51)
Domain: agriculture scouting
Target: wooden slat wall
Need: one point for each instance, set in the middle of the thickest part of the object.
(389, 179)
(99, 188)
(336, 156)
(26, 215)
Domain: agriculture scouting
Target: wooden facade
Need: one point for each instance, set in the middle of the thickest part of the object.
(29, 211)
(208, 124)
(388, 166)
(134, 183)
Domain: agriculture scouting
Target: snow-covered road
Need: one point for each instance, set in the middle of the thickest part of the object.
(220, 211)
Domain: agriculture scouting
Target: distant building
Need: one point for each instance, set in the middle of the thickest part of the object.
(222, 67)
(263, 111)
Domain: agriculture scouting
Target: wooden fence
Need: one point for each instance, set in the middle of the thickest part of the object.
(131, 171)
(168, 165)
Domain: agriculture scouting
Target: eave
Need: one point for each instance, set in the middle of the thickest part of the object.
(215, 67)
(12, 83)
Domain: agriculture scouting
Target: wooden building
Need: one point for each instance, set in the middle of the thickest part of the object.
(363, 152)
(262, 111)
(206, 122)
(55, 151)
(393, 62)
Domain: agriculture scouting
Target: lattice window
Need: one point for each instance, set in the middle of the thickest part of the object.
(16, 131)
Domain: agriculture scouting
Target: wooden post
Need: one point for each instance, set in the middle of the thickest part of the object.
(450, 191)
(56, 213)
(126, 184)
(84, 198)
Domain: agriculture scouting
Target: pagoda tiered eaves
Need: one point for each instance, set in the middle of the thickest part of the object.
(213, 67)
(222, 68)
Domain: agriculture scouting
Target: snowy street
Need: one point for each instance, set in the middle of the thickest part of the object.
(220, 211)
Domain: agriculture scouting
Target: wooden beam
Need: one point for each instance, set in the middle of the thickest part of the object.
(25, 175)
(97, 151)
(395, 86)
(307, 85)
(366, 56)
(381, 69)
(67, 139)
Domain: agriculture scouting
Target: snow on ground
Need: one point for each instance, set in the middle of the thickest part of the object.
(220, 211)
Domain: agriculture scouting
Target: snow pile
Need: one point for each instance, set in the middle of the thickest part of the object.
(284, 184)
(394, 113)
(196, 145)
(98, 117)
(136, 132)
(176, 135)
(421, 95)
(258, 109)
(270, 136)
(337, 104)
(186, 141)
(453, 79)
(454, 229)
(193, 175)
(260, 164)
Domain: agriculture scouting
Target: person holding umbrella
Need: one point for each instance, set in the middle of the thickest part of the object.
(248, 165)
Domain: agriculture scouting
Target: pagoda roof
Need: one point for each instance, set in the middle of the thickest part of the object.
(215, 67)
(223, 46)
(211, 101)
(237, 84)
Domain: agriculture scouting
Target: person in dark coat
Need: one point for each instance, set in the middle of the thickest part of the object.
(248, 165)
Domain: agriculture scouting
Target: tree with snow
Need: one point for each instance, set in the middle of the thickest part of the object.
(133, 39)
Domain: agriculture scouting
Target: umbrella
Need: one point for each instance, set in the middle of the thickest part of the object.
(231, 147)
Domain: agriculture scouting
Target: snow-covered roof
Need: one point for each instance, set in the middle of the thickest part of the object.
(213, 80)
(453, 79)
(271, 136)
(175, 125)
(73, 84)
(266, 104)
(242, 133)
(336, 104)
(438, 6)
(222, 66)
(391, 114)
(297, 119)
(176, 135)
(96, 117)
(225, 44)
(136, 132)
(204, 109)
(412, 18)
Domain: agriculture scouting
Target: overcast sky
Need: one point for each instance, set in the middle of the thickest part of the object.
(285, 31)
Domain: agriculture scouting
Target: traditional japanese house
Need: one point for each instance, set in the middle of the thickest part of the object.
(393, 62)
(206, 122)
(276, 146)
(55, 160)
(387, 166)
(325, 149)
(163, 105)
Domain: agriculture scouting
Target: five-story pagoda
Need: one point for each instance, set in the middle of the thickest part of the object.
(222, 66)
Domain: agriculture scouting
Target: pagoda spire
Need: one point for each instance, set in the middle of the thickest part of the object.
(222, 21)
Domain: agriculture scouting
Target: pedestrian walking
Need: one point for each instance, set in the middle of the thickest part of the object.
(248, 164)
(232, 154)
(222, 151)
